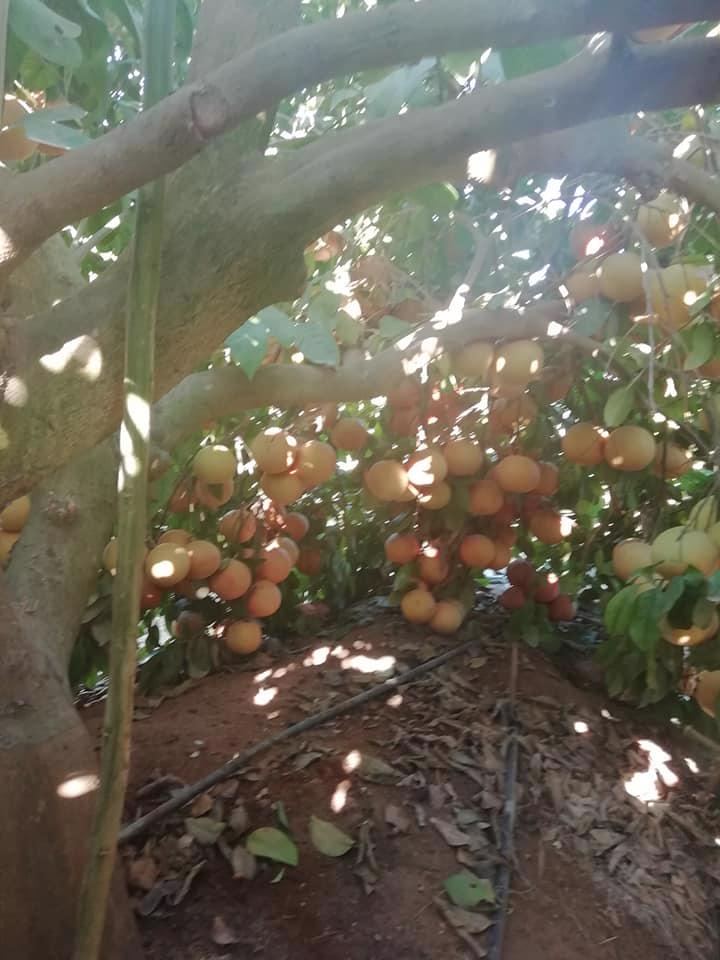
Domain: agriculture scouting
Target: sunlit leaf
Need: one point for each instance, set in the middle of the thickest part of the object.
(465, 889)
(329, 839)
(618, 406)
(52, 36)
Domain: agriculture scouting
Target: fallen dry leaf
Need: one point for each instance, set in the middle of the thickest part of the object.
(396, 818)
(239, 819)
(142, 873)
(201, 805)
(450, 833)
(243, 863)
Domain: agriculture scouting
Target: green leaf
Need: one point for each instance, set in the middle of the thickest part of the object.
(248, 345)
(279, 325)
(618, 612)
(618, 406)
(701, 346)
(39, 126)
(205, 830)
(348, 330)
(46, 32)
(467, 890)
(317, 344)
(591, 317)
(391, 327)
(324, 308)
(273, 844)
(279, 808)
(438, 197)
(390, 94)
(328, 839)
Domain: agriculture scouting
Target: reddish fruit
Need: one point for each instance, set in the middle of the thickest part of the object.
(513, 598)
(407, 393)
(276, 564)
(237, 526)
(549, 479)
(506, 514)
(297, 525)
(548, 589)
(477, 550)
(150, 595)
(521, 573)
(546, 525)
(401, 548)
(263, 599)
(502, 556)
(181, 499)
(310, 561)
(561, 608)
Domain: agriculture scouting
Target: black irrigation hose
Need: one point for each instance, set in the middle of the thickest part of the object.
(183, 796)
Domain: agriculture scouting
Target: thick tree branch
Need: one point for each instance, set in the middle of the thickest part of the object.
(245, 255)
(223, 391)
(607, 146)
(353, 170)
(42, 201)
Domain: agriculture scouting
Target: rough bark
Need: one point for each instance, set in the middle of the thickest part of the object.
(245, 253)
(44, 745)
(164, 138)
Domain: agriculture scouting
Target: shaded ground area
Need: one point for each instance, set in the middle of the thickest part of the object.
(417, 780)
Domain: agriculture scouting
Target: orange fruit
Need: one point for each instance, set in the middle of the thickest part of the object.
(213, 495)
(630, 448)
(485, 498)
(282, 488)
(402, 548)
(297, 525)
(517, 474)
(274, 450)
(237, 526)
(14, 517)
(549, 479)
(243, 636)
(418, 606)
(205, 559)
(448, 616)
(276, 564)
(546, 525)
(167, 564)
(316, 462)
(463, 457)
(387, 480)
(476, 550)
(584, 444)
(426, 467)
(232, 581)
(433, 567)
(349, 433)
(214, 464)
(263, 599)
(173, 535)
(311, 560)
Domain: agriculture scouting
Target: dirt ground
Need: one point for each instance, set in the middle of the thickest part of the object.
(596, 873)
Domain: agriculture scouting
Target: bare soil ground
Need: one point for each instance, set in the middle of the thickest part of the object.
(596, 873)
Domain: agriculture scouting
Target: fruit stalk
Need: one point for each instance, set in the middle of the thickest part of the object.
(132, 495)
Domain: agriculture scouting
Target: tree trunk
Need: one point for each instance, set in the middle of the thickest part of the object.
(47, 790)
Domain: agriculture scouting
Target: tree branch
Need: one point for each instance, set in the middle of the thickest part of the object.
(245, 255)
(40, 202)
(353, 170)
(223, 391)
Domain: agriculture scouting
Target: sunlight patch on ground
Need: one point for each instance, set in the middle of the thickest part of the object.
(691, 765)
(352, 761)
(645, 784)
(581, 727)
(365, 664)
(78, 785)
(317, 658)
(395, 701)
(264, 695)
(262, 676)
(339, 797)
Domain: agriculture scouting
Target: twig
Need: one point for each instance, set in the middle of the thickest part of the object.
(229, 769)
(132, 510)
(507, 823)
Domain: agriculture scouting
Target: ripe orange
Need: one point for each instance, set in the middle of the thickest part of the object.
(463, 457)
(476, 550)
(630, 448)
(213, 495)
(263, 599)
(402, 548)
(316, 462)
(503, 552)
(274, 450)
(14, 517)
(407, 393)
(517, 474)
(405, 422)
(690, 636)
(297, 525)
(418, 606)
(276, 564)
(243, 636)
(426, 467)
(448, 616)
(546, 525)
(214, 464)
(671, 460)
(205, 559)
(549, 479)
(548, 589)
(517, 363)
(433, 567)
(282, 488)
(485, 498)
(350, 434)
(473, 361)
(584, 444)
(621, 277)
(15, 145)
(387, 480)
(629, 556)
(167, 564)
(290, 547)
(173, 535)
(435, 497)
(237, 526)
(232, 581)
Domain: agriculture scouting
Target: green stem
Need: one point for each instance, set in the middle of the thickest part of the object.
(159, 30)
